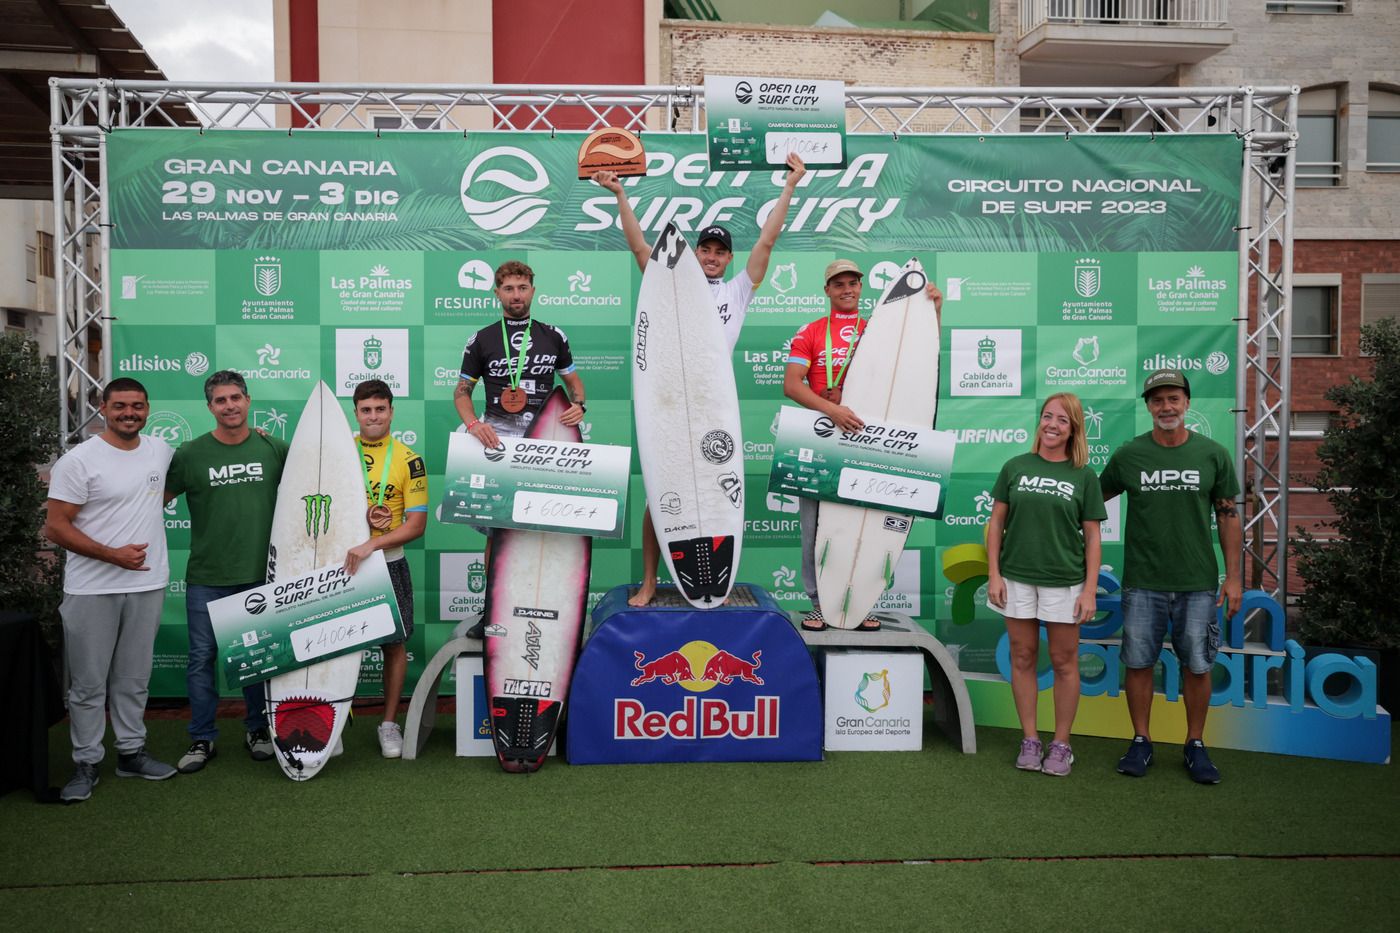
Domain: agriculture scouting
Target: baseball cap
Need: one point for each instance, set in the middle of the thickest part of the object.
(842, 265)
(1165, 377)
(716, 232)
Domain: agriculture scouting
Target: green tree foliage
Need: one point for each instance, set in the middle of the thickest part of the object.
(29, 577)
(1353, 581)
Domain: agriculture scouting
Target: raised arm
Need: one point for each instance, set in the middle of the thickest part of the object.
(631, 228)
(768, 236)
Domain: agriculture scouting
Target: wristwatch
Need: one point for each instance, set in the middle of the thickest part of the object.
(579, 403)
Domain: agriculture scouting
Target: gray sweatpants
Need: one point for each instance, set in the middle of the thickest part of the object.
(807, 521)
(108, 642)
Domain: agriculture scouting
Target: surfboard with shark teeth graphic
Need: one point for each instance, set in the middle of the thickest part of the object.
(320, 514)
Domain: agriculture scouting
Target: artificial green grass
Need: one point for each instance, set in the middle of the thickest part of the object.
(1117, 894)
(340, 842)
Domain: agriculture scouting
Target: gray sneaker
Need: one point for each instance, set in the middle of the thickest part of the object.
(201, 750)
(139, 764)
(259, 743)
(80, 785)
(1058, 760)
(1029, 759)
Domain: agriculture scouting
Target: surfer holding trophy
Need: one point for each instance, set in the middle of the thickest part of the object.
(229, 479)
(715, 251)
(1043, 552)
(517, 358)
(104, 509)
(396, 490)
(816, 369)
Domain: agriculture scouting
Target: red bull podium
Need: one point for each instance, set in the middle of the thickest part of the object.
(669, 682)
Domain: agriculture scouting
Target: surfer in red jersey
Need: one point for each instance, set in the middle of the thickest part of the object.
(816, 367)
(715, 251)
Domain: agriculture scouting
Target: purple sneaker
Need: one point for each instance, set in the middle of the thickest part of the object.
(1058, 760)
(1029, 759)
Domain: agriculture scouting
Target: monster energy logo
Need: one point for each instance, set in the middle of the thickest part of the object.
(318, 513)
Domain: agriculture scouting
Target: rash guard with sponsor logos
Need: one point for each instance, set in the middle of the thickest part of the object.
(809, 346)
(231, 490)
(1048, 503)
(485, 359)
(1168, 544)
(405, 489)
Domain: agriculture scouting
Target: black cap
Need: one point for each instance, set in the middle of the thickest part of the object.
(716, 232)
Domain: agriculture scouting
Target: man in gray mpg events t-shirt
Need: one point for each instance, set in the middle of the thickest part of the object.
(715, 251)
(105, 509)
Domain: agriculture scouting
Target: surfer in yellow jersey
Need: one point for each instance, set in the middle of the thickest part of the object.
(715, 251)
(816, 368)
(396, 490)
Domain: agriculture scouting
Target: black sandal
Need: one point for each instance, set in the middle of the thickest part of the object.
(814, 616)
(867, 627)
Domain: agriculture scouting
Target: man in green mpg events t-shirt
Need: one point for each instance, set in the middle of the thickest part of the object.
(1174, 479)
(229, 479)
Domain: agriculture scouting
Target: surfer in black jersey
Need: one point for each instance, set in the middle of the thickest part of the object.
(715, 251)
(517, 359)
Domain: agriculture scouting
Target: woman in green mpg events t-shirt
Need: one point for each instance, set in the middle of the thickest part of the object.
(1043, 554)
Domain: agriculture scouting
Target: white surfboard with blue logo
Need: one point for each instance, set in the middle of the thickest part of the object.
(688, 435)
(892, 379)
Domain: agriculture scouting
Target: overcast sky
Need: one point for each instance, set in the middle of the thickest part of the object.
(204, 40)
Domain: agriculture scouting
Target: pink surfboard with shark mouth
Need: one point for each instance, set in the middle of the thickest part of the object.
(537, 591)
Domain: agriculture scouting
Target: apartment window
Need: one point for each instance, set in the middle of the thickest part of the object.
(1383, 131)
(1316, 328)
(44, 254)
(1309, 423)
(1045, 120)
(1380, 297)
(396, 122)
(1318, 165)
(31, 263)
(1305, 6)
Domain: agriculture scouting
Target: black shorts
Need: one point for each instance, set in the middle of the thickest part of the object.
(403, 594)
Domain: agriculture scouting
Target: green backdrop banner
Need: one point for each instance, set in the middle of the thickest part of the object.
(1074, 264)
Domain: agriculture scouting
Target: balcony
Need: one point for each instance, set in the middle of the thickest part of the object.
(1127, 42)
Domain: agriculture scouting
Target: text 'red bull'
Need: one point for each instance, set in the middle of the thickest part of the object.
(698, 718)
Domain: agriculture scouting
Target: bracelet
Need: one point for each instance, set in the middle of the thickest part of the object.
(474, 422)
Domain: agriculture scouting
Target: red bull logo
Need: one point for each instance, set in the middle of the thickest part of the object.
(698, 717)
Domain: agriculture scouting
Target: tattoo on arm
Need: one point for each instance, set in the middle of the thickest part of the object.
(1225, 508)
(462, 389)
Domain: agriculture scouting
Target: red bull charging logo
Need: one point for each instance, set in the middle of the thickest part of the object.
(699, 717)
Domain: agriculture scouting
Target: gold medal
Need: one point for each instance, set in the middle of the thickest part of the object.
(513, 400)
(379, 517)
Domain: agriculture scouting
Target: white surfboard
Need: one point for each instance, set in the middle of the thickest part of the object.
(537, 594)
(688, 433)
(320, 515)
(893, 378)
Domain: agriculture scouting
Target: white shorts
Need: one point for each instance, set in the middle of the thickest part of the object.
(1046, 603)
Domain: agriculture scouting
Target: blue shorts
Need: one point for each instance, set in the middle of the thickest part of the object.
(1193, 621)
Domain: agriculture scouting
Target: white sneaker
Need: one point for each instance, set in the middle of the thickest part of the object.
(390, 740)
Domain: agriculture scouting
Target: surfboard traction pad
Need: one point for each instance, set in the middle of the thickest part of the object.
(741, 597)
(703, 566)
(521, 729)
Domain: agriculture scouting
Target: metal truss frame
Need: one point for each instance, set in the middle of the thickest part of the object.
(1265, 118)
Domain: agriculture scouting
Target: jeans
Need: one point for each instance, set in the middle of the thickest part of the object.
(201, 680)
(1191, 616)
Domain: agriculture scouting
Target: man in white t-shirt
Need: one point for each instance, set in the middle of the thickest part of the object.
(715, 250)
(105, 508)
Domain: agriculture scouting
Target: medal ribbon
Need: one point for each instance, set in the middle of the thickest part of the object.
(850, 351)
(519, 363)
(383, 473)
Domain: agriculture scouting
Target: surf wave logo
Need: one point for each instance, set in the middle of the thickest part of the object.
(1218, 363)
(717, 447)
(823, 427)
(196, 364)
(514, 213)
(743, 92)
(255, 603)
(873, 692)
